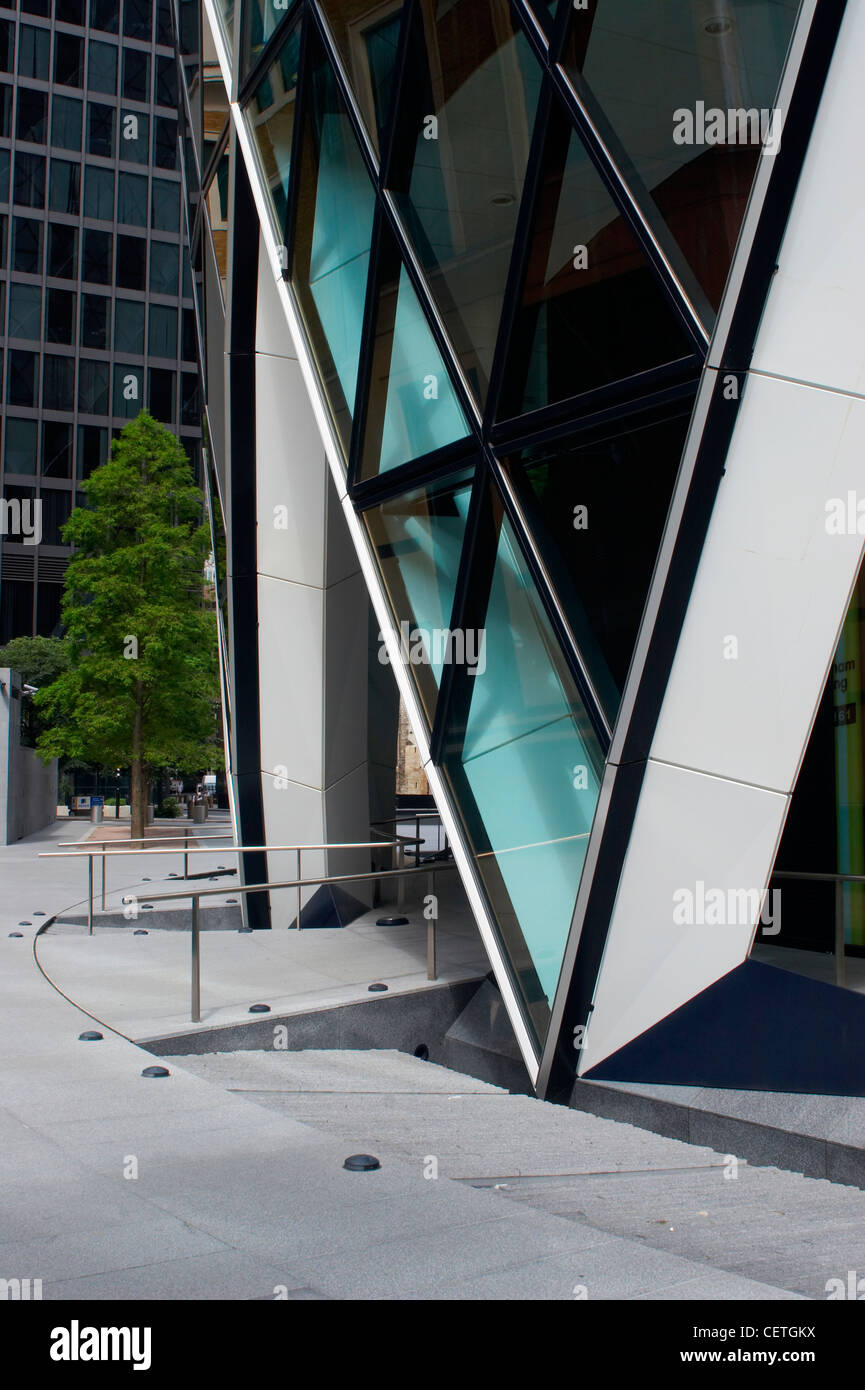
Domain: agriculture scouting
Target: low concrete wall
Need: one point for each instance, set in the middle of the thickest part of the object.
(28, 787)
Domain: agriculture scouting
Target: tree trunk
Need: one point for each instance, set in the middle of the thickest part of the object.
(138, 779)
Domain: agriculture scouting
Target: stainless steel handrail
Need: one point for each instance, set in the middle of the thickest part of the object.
(195, 965)
(90, 854)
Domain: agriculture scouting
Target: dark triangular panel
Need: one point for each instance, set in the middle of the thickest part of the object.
(330, 906)
(591, 311)
(756, 1029)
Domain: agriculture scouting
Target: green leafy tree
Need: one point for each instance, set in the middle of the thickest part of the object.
(39, 660)
(142, 686)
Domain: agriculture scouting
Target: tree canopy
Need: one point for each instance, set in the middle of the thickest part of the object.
(142, 685)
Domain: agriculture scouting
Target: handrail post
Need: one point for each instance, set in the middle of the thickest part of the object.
(103, 875)
(400, 883)
(90, 894)
(840, 959)
(299, 891)
(186, 851)
(431, 928)
(196, 962)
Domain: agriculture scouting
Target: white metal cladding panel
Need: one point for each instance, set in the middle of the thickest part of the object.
(689, 829)
(812, 329)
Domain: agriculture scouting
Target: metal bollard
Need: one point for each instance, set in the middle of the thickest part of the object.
(196, 963)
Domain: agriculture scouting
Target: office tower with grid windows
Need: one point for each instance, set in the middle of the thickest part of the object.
(539, 324)
(95, 292)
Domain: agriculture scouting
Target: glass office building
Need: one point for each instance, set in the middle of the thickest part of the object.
(95, 292)
(529, 285)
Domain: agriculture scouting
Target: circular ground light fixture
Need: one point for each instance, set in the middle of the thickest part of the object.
(90, 1036)
(147, 907)
(172, 875)
(422, 1052)
(139, 931)
(156, 1071)
(259, 1008)
(361, 1163)
(230, 901)
(25, 924)
(244, 931)
(377, 988)
(38, 914)
(145, 880)
(16, 933)
(392, 922)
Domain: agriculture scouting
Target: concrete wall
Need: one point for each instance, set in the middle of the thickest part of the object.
(28, 787)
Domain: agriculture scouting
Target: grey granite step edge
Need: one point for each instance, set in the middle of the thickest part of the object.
(818, 1136)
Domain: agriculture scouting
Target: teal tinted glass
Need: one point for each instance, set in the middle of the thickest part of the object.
(525, 766)
(473, 109)
(261, 19)
(271, 116)
(331, 245)
(418, 539)
(412, 407)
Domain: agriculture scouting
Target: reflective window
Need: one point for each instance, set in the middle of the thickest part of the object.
(271, 115)
(66, 123)
(129, 326)
(99, 193)
(25, 311)
(132, 199)
(56, 506)
(34, 46)
(58, 382)
(104, 14)
(136, 75)
(166, 82)
(96, 257)
(162, 331)
(165, 143)
(68, 59)
(161, 396)
(64, 190)
(28, 186)
(524, 765)
(463, 139)
(189, 340)
(100, 129)
(62, 251)
(21, 445)
(164, 205)
(5, 110)
(4, 175)
(92, 387)
(134, 137)
(27, 246)
(331, 243)
(137, 18)
(190, 403)
(69, 11)
(659, 74)
(94, 321)
(163, 267)
(7, 44)
(411, 409)
(60, 316)
(102, 71)
(131, 262)
(164, 26)
(418, 539)
(22, 377)
(128, 393)
(56, 449)
(32, 115)
(92, 449)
